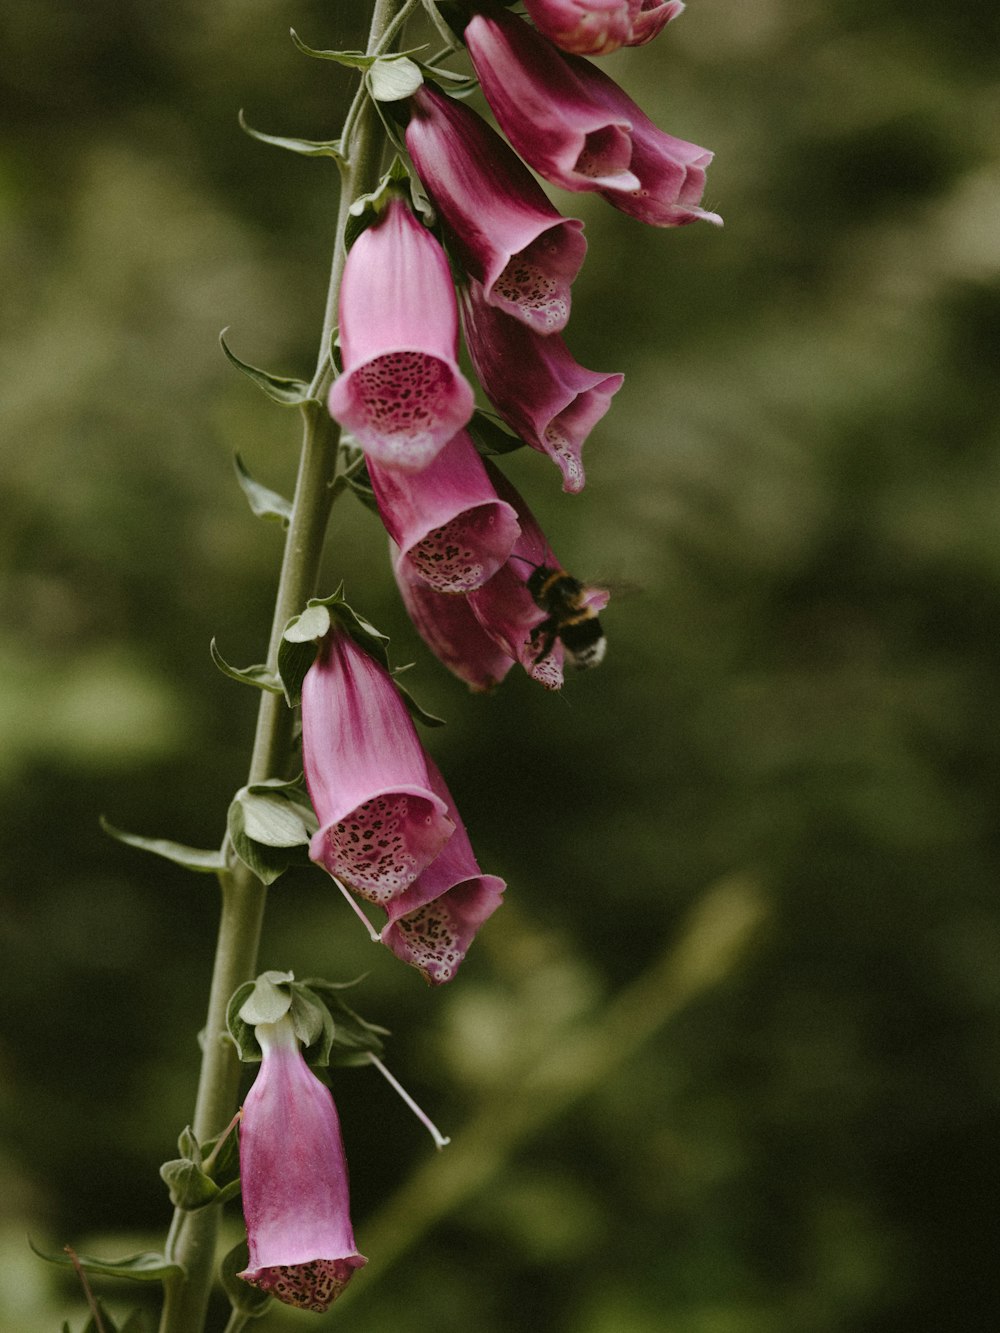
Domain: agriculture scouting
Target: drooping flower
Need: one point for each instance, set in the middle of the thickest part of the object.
(432, 924)
(449, 627)
(671, 171)
(402, 394)
(585, 27)
(506, 609)
(503, 228)
(294, 1179)
(544, 395)
(380, 820)
(568, 136)
(650, 18)
(451, 527)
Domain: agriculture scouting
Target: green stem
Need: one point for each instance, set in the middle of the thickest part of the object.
(193, 1235)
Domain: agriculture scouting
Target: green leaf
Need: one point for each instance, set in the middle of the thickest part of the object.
(390, 79)
(243, 1297)
(264, 502)
(260, 676)
(353, 59)
(269, 999)
(147, 1266)
(306, 147)
(280, 389)
(490, 435)
(135, 1323)
(201, 861)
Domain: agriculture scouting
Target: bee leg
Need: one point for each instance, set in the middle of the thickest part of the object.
(543, 637)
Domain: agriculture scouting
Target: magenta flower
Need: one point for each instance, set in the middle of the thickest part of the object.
(585, 27)
(380, 820)
(505, 232)
(432, 924)
(544, 395)
(506, 609)
(449, 627)
(402, 394)
(294, 1180)
(650, 18)
(447, 520)
(671, 171)
(568, 136)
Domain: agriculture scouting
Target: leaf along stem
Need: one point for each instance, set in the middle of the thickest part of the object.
(193, 1235)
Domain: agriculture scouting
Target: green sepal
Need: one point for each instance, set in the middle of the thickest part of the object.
(352, 59)
(270, 824)
(146, 1266)
(297, 650)
(268, 999)
(491, 436)
(190, 1188)
(243, 1297)
(306, 147)
(393, 78)
(260, 676)
(367, 207)
(349, 1038)
(279, 388)
(201, 861)
(355, 476)
(202, 1176)
(264, 502)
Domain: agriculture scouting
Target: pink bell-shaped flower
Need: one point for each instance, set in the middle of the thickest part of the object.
(544, 395)
(585, 27)
(507, 610)
(294, 1179)
(504, 230)
(671, 171)
(650, 18)
(447, 520)
(402, 394)
(569, 137)
(448, 625)
(432, 924)
(380, 820)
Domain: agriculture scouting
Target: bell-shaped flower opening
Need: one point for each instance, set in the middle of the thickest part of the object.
(503, 229)
(548, 115)
(447, 520)
(448, 625)
(650, 18)
(431, 926)
(380, 822)
(585, 27)
(544, 395)
(506, 610)
(402, 394)
(294, 1180)
(671, 171)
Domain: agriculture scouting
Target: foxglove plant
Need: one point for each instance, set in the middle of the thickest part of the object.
(389, 414)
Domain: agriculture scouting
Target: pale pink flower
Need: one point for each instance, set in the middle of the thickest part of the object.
(294, 1181)
(585, 27)
(451, 527)
(503, 229)
(401, 393)
(650, 17)
(540, 390)
(380, 821)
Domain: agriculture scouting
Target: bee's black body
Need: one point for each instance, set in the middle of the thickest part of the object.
(570, 619)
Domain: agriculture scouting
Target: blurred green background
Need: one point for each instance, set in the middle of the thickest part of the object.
(801, 481)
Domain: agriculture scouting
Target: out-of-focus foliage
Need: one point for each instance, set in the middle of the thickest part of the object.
(801, 477)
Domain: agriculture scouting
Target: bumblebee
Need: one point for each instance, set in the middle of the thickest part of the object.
(569, 618)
